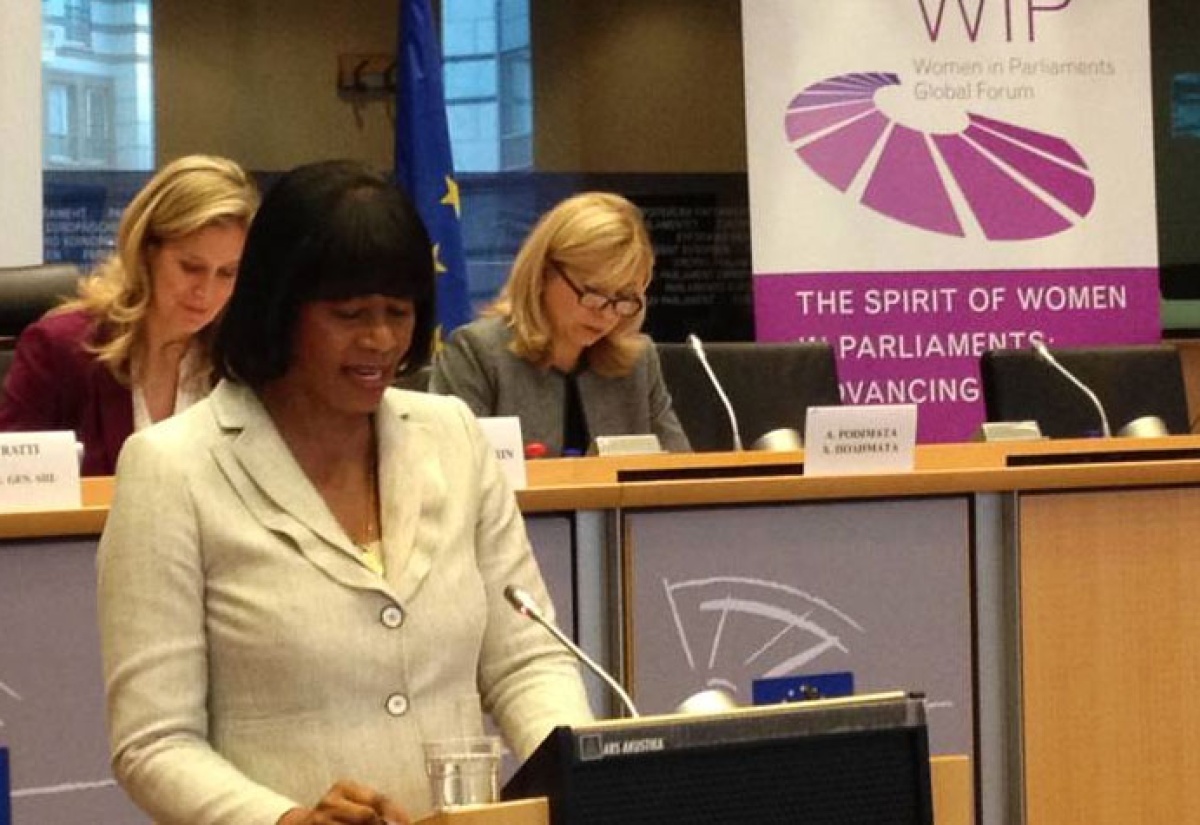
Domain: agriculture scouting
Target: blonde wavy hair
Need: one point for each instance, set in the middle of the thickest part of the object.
(185, 196)
(600, 239)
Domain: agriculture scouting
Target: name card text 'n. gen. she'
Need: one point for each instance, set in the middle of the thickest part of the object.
(39, 471)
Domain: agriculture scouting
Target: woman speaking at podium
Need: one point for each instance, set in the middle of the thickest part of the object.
(302, 577)
(561, 348)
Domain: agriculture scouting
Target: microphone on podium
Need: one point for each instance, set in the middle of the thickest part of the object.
(524, 604)
(697, 347)
(1042, 352)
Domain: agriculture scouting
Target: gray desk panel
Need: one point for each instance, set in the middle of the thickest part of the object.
(550, 537)
(724, 595)
(570, 549)
(51, 690)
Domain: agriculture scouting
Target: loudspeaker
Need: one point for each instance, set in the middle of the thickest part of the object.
(856, 760)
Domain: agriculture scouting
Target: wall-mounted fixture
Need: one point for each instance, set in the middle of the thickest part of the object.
(366, 74)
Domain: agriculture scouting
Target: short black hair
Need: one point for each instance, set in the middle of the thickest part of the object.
(331, 230)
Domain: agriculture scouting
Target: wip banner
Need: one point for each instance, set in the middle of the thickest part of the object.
(930, 179)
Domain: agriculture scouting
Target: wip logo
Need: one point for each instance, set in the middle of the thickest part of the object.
(734, 630)
(980, 177)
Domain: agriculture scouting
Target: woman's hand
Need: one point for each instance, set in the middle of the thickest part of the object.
(348, 803)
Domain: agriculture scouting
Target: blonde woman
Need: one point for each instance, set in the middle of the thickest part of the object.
(561, 348)
(133, 347)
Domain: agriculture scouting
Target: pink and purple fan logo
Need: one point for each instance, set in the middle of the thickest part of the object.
(966, 175)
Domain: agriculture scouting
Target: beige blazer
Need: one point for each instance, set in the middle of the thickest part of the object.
(251, 658)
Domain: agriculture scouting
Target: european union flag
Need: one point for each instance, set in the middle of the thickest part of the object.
(424, 164)
(772, 691)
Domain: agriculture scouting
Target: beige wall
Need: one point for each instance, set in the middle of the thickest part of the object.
(639, 86)
(620, 85)
(257, 79)
(20, 133)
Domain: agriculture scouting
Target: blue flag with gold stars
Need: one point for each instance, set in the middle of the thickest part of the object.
(424, 163)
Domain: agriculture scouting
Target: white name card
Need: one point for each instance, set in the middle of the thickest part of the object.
(504, 432)
(868, 439)
(641, 444)
(39, 471)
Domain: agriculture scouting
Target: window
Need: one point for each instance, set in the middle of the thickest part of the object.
(97, 89)
(77, 22)
(489, 99)
(98, 121)
(78, 129)
(60, 110)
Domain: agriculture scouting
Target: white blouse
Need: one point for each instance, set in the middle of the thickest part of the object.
(191, 388)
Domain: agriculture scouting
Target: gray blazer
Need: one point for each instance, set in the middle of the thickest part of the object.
(477, 366)
(251, 658)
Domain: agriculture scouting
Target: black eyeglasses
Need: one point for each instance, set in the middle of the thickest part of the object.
(625, 306)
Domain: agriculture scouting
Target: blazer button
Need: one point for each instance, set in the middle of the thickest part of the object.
(392, 617)
(397, 704)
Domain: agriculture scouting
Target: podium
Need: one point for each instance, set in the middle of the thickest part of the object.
(535, 811)
(862, 759)
(953, 801)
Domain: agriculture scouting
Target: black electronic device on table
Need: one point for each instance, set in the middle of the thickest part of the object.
(862, 759)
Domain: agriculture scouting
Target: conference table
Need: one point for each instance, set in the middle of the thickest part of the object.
(1036, 592)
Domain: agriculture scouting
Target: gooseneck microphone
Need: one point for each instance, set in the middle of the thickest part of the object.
(1044, 354)
(698, 348)
(524, 604)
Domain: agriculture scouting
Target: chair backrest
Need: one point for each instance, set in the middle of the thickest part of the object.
(1129, 381)
(417, 381)
(769, 386)
(27, 292)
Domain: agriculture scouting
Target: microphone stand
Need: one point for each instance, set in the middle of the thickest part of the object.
(1044, 354)
(524, 604)
(698, 348)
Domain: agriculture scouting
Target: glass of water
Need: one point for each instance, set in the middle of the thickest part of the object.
(463, 771)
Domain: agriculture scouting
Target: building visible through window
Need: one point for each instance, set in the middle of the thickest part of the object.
(97, 85)
(489, 106)
(489, 98)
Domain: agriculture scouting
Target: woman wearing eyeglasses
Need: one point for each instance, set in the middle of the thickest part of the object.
(561, 348)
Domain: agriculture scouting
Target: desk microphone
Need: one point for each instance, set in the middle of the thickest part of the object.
(693, 342)
(524, 604)
(1040, 349)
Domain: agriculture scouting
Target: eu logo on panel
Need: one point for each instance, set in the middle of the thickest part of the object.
(772, 691)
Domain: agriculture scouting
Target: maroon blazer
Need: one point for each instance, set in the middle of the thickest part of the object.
(55, 383)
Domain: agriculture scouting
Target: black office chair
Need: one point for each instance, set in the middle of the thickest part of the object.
(417, 381)
(770, 386)
(26, 293)
(1129, 381)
